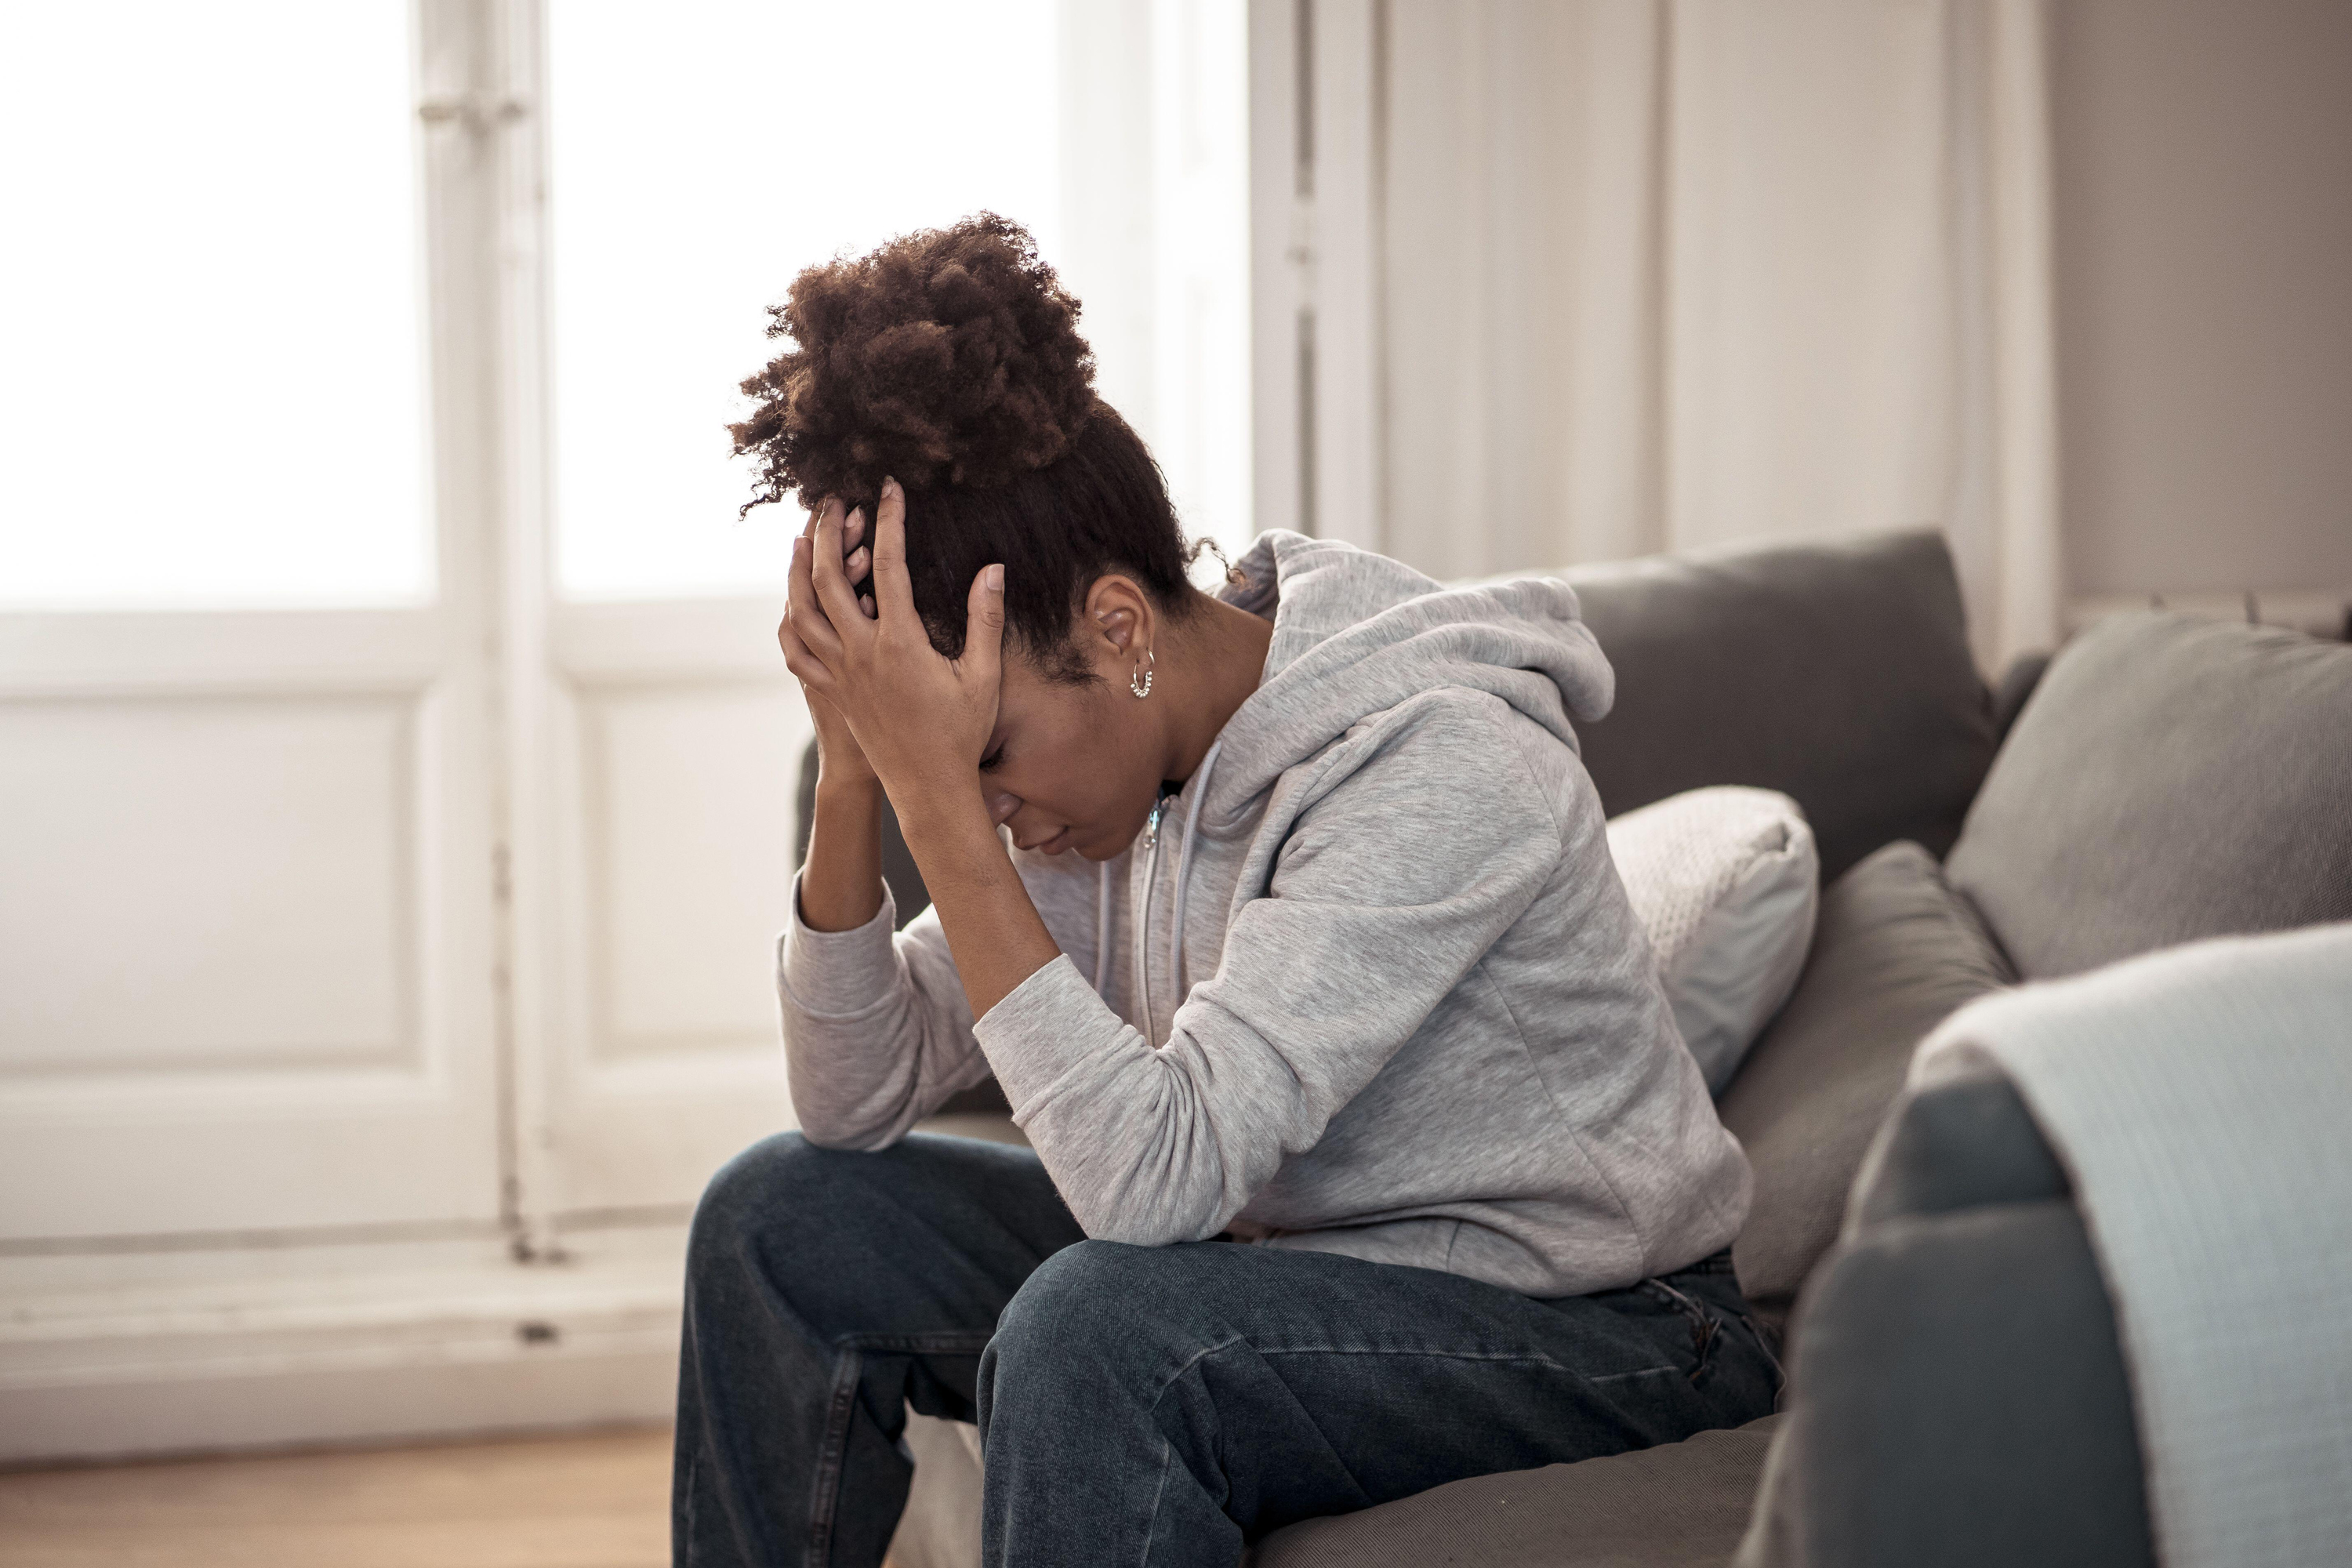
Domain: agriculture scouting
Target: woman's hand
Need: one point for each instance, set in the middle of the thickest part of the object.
(923, 724)
(839, 759)
(920, 722)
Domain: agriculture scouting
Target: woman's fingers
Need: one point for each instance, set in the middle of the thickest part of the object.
(860, 563)
(894, 592)
(812, 670)
(833, 594)
(803, 615)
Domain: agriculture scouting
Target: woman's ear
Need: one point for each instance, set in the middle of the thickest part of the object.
(1117, 617)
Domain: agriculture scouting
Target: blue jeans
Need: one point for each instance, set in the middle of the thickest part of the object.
(1151, 1405)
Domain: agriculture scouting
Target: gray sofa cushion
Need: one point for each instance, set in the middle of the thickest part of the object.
(2169, 779)
(1958, 1392)
(1839, 674)
(1894, 952)
(1679, 1505)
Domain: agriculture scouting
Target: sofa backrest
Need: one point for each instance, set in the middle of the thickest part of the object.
(2171, 778)
(1839, 674)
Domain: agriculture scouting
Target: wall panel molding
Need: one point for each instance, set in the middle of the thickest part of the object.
(279, 923)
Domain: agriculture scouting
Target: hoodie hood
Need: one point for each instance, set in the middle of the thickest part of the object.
(1355, 634)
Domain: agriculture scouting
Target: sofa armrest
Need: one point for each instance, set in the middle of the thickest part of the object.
(1957, 1391)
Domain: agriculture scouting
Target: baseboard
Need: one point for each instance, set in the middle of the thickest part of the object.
(110, 1358)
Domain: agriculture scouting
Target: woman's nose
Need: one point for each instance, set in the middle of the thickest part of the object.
(1001, 807)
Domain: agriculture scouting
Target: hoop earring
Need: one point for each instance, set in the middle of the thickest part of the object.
(1140, 681)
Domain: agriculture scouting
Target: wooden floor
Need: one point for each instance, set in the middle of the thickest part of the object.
(595, 1502)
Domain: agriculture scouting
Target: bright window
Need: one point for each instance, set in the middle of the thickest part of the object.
(211, 347)
(701, 155)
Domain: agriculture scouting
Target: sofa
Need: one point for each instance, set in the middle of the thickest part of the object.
(1955, 1392)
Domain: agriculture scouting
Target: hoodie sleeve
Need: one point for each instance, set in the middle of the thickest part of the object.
(1364, 930)
(876, 1029)
(877, 1032)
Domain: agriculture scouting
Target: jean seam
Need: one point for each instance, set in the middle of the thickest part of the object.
(1498, 1357)
(1771, 1357)
(916, 1344)
(1151, 1519)
(849, 1366)
(830, 1456)
(1191, 1361)
(1538, 1357)
(1494, 1357)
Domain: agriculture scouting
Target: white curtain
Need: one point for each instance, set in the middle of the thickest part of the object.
(1666, 274)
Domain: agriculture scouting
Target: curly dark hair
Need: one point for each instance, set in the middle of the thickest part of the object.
(950, 359)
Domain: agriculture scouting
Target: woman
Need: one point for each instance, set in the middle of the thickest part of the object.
(1366, 1154)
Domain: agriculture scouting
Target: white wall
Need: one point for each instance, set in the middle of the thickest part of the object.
(2204, 270)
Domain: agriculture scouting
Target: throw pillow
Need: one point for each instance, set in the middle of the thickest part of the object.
(2171, 779)
(1726, 882)
(1896, 953)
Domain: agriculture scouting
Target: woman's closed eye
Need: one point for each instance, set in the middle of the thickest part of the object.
(988, 764)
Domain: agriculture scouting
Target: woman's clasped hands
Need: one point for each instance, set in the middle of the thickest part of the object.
(923, 721)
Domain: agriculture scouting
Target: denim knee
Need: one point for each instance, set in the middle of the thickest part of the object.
(768, 1184)
(1098, 1314)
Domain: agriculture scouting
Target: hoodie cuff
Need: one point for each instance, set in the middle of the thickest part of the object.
(1047, 1030)
(838, 973)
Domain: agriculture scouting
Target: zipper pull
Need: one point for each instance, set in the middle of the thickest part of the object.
(1152, 824)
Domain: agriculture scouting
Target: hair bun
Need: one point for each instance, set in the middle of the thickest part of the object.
(949, 356)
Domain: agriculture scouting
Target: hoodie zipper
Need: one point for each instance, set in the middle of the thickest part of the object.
(1143, 924)
(1199, 784)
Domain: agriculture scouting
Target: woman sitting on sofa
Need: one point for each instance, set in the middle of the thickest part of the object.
(1366, 1155)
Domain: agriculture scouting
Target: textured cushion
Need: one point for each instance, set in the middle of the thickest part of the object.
(1679, 1505)
(1959, 1393)
(1725, 883)
(2169, 779)
(1837, 674)
(1895, 952)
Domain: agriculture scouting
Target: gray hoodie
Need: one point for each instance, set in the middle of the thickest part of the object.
(1370, 985)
